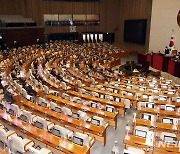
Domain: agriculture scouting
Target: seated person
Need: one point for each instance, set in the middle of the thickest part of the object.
(8, 96)
(29, 89)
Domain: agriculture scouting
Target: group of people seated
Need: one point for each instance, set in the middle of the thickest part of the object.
(74, 74)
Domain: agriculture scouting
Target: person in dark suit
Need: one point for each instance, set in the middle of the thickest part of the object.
(8, 96)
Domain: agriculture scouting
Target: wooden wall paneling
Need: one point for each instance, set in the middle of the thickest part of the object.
(134, 9)
(10, 7)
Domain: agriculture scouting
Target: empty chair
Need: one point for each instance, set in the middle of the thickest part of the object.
(46, 89)
(171, 92)
(65, 96)
(53, 106)
(67, 111)
(61, 131)
(99, 86)
(5, 135)
(64, 86)
(83, 91)
(80, 83)
(127, 103)
(142, 88)
(156, 90)
(26, 116)
(141, 131)
(82, 115)
(43, 102)
(95, 94)
(168, 137)
(20, 145)
(140, 105)
(14, 110)
(110, 108)
(99, 121)
(146, 116)
(41, 123)
(81, 139)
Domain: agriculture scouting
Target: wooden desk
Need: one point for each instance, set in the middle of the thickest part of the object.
(156, 125)
(44, 136)
(109, 117)
(99, 132)
(136, 141)
(49, 82)
(118, 105)
(159, 112)
(88, 81)
(166, 148)
(133, 98)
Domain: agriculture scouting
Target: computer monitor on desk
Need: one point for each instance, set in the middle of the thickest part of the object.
(146, 117)
(165, 86)
(115, 91)
(162, 98)
(55, 132)
(75, 115)
(58, 109)
(110, 108)
(23, 118)
(94, 105)
(170, 108)
(171, 92)
(95, 122)
(167, 121)
(142, 88)
(79, 101)
(129, 87)
(117, 99)
(150, 105)
(178, 99)
(38, 124)
(101, 96)
(141, 133)
(170, 139)
(78, 140)
(44, 104)
(81, 139)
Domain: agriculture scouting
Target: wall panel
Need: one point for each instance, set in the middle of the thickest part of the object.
(10, 7)
(134, 9)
